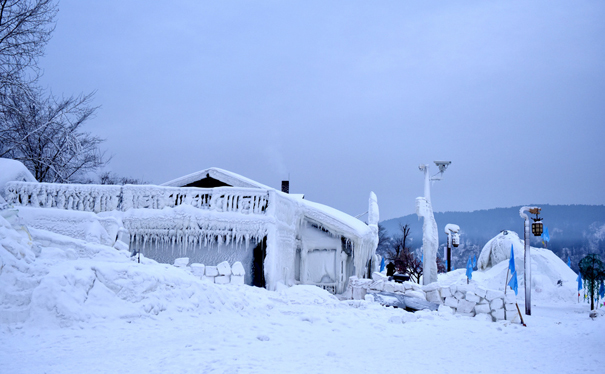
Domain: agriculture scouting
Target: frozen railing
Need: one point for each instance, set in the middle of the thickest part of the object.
(102, 198)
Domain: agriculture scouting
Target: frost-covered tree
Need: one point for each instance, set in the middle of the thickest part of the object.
(46, 134)
(25, 28)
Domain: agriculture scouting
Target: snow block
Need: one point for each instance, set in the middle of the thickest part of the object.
(465, 306)
(377, 286)
(445, 292)
(510, 307)
(376, 276)
(433, 296)
(237, 279)
(496, 304)
(224, 268)
(512, 316)
(480, 292)
(211, 271)
(470, 314)
(197, 269)
(389, 287)
(369, 298)
(451, 302)
(482, 309)
(430, 287)
(222, 279)
(510, 298)
(359, 293)
(470, 296)
(444, 309)
(417, 294)
(238, 269)
(498, 314)
(181, 262)
(411, 286)
(492, 294)
(464, 288)
(398, 287)
(459, 295)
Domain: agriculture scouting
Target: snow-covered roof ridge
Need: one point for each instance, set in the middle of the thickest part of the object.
(228, 177)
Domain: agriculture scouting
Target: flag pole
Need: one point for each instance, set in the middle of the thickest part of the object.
(519, 310)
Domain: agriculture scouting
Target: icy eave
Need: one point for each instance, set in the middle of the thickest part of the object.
(224, 176)
(334, 219)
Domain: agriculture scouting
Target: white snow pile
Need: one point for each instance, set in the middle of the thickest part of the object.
(52, 279)
(13, 170)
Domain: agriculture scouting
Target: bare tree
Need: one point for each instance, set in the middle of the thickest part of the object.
(45, 133)
(25, 28)
(403, 257)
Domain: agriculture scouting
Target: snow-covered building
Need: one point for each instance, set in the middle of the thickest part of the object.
(215, 215)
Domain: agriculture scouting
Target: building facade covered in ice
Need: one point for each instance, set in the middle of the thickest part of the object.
(214, 215)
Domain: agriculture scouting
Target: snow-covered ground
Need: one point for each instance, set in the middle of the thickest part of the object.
(73, 306)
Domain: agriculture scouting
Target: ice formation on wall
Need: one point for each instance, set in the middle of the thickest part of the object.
(12, 170)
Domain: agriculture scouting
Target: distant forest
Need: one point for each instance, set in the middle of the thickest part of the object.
(575, 230)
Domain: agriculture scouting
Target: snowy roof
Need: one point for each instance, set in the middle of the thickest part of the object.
(322, 213)
(222, 175)
(326, 214)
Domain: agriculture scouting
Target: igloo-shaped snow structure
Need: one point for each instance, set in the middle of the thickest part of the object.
(498, 249)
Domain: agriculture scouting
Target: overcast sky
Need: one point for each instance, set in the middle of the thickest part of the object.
(348, 97)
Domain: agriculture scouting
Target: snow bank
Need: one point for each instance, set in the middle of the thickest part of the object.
(13, 170)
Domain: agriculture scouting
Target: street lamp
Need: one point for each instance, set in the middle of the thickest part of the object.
(536, 229)
(452, 239)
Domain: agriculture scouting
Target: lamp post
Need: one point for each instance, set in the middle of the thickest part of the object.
(536, 229)
(430, 237)
(452, 239)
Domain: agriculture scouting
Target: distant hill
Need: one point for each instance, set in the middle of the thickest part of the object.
(575, 230)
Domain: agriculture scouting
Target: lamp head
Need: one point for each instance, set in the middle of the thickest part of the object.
(442, 165)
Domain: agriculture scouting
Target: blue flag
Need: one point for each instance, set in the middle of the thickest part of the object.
(511, 262)
(568, 261)
(513, 283)
(511, 266)
(545, 235)
(382, 265)
(469, 268)
(422, 258)
(602, 290)
(474, 261)
(579, 281)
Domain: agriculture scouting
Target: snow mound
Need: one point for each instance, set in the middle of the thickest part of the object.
(498, 249)
(13, 170)
(552, 280)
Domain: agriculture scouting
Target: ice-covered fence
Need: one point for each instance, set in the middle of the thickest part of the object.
(102, 198)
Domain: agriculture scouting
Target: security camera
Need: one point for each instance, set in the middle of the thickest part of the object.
(442, 165)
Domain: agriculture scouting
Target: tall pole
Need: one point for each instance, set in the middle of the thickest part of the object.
(526, 260)
(427, 184)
